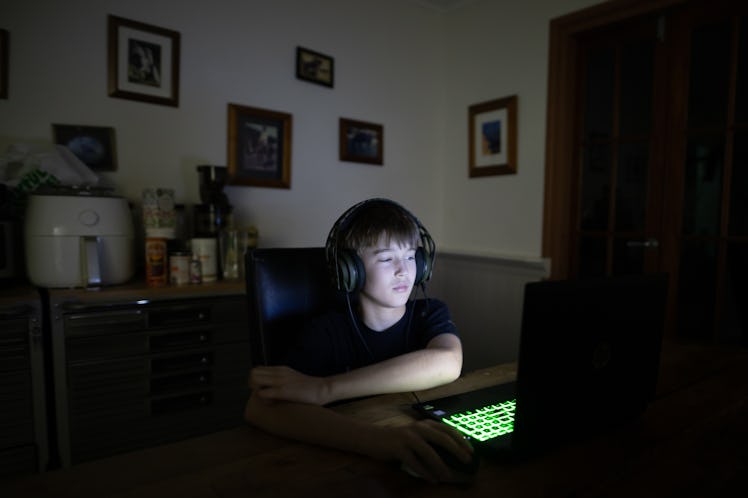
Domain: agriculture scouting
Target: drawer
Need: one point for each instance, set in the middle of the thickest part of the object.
(18, 460)
(16, 409)
(151, 330)
(104, 323)
(166, 419)
(99, 347)
(14, 344)
(133, 385)
(95, 322)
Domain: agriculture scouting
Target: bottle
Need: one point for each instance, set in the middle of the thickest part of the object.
(156, 266)
(196, 270)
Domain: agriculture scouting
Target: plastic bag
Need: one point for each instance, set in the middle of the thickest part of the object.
(26, 167)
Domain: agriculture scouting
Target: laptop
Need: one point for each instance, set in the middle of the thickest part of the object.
(588, 362)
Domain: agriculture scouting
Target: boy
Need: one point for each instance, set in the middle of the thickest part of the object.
(382, 343)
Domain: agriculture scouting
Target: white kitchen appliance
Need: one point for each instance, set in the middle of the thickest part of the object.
(78, 238)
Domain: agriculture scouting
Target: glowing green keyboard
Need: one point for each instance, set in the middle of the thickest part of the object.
(485, 423)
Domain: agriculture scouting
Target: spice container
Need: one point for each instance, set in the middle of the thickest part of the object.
(156, 269)
(179, 268)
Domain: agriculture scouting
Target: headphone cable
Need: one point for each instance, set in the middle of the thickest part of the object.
(355, 326)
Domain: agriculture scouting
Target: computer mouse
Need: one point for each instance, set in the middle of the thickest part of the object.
(463, 471)
(454, 463)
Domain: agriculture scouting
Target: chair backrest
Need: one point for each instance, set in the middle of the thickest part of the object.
(285, 286)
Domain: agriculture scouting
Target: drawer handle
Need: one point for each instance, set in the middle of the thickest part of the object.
(167, 341)
(181, 403)
(181, 363)
(178, 315)
(179, 383)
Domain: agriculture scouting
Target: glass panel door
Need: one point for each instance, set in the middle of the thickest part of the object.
(615, 231)
(713, 239)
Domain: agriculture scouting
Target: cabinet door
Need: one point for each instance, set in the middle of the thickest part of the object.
(22, 418)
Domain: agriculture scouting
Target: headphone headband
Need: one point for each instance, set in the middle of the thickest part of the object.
(346, 268)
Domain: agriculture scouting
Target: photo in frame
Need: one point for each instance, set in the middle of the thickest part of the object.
(93, 145)
(315, 67)
(259, 147)
(361, 142)
(4, 55)
(492, 137)
(143, 62)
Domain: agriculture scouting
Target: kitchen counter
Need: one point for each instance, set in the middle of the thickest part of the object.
(14, 292)
(142, 291)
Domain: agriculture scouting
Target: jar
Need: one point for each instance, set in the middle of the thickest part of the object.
(179, 268)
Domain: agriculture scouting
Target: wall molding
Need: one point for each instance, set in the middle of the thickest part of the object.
(485, 293)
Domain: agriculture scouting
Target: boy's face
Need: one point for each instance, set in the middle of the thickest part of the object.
(390, 272)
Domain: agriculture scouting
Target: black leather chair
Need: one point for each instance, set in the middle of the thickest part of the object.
(285, 286)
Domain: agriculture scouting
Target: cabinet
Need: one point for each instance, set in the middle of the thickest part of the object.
(23, 432)
(136, 367)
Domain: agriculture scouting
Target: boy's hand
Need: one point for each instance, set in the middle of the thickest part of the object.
(413, 445)
(286, 384)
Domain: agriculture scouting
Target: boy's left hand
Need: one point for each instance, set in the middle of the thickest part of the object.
(286, 384)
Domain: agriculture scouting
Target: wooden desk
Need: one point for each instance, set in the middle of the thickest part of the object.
(691, 442)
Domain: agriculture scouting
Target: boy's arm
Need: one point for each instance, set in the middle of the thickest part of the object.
(409, 444)
(439, 363)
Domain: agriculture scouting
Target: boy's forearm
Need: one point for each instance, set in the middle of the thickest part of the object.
(414, 371)
(315, 424)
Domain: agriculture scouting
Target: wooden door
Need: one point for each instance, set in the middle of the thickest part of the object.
(651, 173)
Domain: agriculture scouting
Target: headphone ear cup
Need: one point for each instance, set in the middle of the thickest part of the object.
(422, 266)
(351, 273)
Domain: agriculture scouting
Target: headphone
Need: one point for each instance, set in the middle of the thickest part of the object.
(346, 267)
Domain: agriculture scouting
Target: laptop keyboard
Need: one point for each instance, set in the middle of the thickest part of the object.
(485, 423)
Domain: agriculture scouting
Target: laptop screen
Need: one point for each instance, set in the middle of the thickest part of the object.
(589, 353)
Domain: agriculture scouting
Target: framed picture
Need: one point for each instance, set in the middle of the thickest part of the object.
(94, 145)
(315, 67)
(361, 142)
(4, 41)
(259, 148)
(143, 62)
(492, 137)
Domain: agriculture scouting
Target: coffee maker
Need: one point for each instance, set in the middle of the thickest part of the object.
(214, 213)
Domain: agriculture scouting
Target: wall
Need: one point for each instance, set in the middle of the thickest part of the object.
(485, 296)
(389, 70)
(497, 49)
(411, 68)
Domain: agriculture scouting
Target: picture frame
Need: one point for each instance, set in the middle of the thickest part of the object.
(315, 67)
(492, 137)
(143, 62)
(259, 147)
(4, 55)
(361, 142)
(93, 145)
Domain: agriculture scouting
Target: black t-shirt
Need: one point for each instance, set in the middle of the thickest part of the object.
(331, 343)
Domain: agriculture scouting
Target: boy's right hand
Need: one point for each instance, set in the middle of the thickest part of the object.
(413, 446)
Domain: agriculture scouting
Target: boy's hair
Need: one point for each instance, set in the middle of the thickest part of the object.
(380, 218)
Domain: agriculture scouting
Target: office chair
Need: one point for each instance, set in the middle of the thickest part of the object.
(285, 286)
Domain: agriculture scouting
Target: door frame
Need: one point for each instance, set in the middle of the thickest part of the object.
(562, 104)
